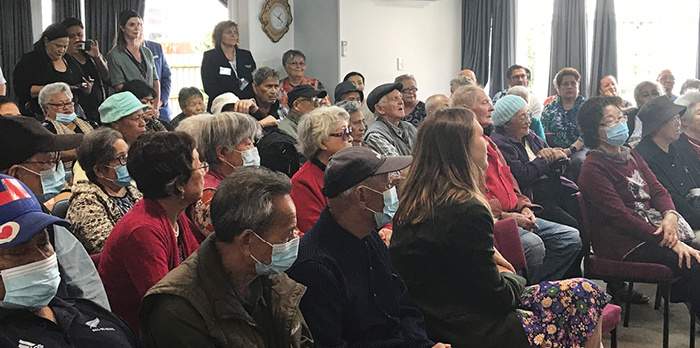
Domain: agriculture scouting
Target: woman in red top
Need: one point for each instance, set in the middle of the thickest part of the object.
(619, 188)
(225, 141)
(322, 133)
(154, 236)
(294, 63)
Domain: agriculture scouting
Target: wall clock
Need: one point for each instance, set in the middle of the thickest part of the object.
(276, 17)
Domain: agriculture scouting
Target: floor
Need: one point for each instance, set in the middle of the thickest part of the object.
(646, 324)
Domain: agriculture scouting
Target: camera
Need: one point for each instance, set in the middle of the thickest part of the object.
(84, 45)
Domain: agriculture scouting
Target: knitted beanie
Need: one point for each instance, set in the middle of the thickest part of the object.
(505, 109)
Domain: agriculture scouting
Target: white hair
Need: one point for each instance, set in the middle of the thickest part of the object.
(690, 100)
(314, 128)
(51, 89)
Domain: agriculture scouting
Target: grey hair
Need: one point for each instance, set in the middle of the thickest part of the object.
(461, 81)
(638, 90)
(381, 102)
(225, 129)
(49, 90)
(245, 201)
(403, 77)
(465, 96)
(186, 93)
(97, 149)
(520, 91)
(315, 127)
(690, 100)
(193, 126)
(690, 84)
(350, 106)
(263, 73)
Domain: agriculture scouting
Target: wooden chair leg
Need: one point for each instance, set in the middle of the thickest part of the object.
(613, 338)
(628, 304)
(657, 299)
(667, 292)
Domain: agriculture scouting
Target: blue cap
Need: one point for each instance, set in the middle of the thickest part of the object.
(505, 109)
(21, 216)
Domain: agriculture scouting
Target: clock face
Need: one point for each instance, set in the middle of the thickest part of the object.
(278, 17)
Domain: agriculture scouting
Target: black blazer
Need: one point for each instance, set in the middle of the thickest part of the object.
(218, 77)
(447, 264)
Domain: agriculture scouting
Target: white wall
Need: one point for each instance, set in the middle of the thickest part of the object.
(317, 35)
(266, 53)
(426, 34)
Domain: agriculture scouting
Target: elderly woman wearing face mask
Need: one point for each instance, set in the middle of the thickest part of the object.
(226, 141)
(46, 64)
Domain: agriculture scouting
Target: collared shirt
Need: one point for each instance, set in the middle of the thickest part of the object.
(563, 123)
(79, 323)
(354, 296)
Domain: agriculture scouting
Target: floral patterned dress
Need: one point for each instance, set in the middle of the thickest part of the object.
(562, 123)
(561, 313)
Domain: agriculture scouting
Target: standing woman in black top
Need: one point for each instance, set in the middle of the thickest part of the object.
(92, 63)
(47, 63)
(227, 68)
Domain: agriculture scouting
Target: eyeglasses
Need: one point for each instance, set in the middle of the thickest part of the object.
(314, 101)
(204, 165)
(121, 158)
(409, 90)
(54, 161)
(345, 134)
(62, 105)
(297, 64)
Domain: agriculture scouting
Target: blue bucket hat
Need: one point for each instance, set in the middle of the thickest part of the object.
(118, 106)
(21, 216)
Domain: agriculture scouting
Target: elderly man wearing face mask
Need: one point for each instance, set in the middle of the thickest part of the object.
(233, 291)
(345, 304)
(31, 313)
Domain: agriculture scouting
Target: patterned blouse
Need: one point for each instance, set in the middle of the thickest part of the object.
(286, 86)
(417, 114)
(563, 123)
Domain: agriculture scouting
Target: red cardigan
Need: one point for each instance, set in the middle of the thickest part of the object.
(610, 190)
(502, 190)
(307, 194)
(140, 251)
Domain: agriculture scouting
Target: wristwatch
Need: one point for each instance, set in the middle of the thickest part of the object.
(573, 149)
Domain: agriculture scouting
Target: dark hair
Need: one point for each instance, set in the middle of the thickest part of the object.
(159, 162)
(186, 93)
(72, 21)
(124, 16)
(263, 73)
(218, 32)
(353, 73)
(600, 84)
(97, 149)
(139, 88)
(590, 115)
(566, 72)
(52, 32)
(514, 67)
(291, 54)
(244, 200)
(6, 100)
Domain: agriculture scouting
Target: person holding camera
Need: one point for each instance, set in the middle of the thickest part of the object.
(48, 63)
(92, 64)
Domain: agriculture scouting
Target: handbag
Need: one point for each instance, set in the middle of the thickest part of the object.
(654, 218)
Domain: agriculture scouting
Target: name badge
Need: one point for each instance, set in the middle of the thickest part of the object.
(155, 56)
(248, 66)
(224, 71)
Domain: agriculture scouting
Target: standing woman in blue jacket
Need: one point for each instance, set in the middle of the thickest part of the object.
(227, 68)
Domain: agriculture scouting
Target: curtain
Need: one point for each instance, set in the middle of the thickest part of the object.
(101, 19)
(502, 43)
(568, 40)
(63, 9)
(476, 38)
(604, 57)
(16, 38)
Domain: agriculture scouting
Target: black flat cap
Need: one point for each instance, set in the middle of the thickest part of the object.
(380, 91)
(656, 112)
(307, 91)
(22, 137)
(345, 88)
(352, 165)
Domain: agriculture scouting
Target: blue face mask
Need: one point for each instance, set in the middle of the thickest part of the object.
(65, 118)
(617, 135)
(391, 204)
(283, 256)
(52, 181)
(250, 157)
(32, 285)
(123, 177)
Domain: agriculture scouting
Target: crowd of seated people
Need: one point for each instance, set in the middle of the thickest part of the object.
(252, 218)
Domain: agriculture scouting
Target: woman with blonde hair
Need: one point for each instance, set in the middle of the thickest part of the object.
(443, 248)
